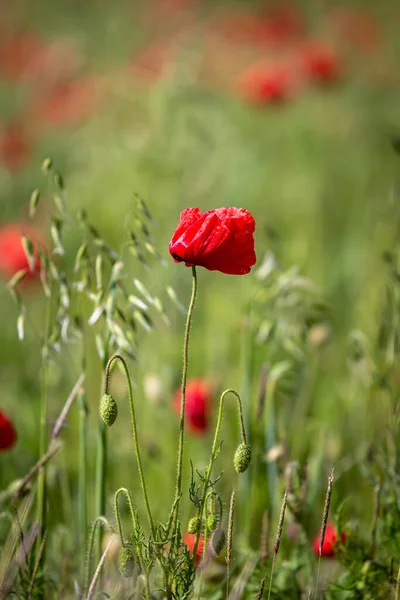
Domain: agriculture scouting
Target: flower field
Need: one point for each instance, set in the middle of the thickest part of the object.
(199, 282)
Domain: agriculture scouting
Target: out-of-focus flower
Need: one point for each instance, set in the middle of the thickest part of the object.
(68, 102)
(218, 240)
(149, 64)
(153, 388)
(358, 28)
(320, 63)
(8, 434)
(189, 540)
(197, 407)
(330, 541)
(12, 253)
(279, 25)
(266, 84)
(14, 146)
(25, 55)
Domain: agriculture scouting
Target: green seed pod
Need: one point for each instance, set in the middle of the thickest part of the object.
(242, 458)
(218, 540)
(194, 525)
(126, 562)
(108, 409)
(212, 522)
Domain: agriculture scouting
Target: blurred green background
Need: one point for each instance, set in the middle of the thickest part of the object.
(150, 98)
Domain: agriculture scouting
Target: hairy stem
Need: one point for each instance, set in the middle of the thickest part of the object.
(178, 486)
(214, 451)
(103, 521)
(134, 432)
(136, 527)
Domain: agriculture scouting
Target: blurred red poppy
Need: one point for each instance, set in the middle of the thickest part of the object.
(189, 540)
(218, 240)
(25, 55)
(279, 25)
(198, 405)
(321, 63)
(265, 84)
(69, 102)
(8, 434)
(149, 64)
(12, 253)
(14, 147)
(330, 541)
(358, 28)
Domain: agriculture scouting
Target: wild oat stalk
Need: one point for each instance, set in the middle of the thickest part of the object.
(278, 539)
(325, 515)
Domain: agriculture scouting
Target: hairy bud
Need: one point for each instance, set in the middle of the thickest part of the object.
(126, 562)
(194, 525)
(212, 522)
(242, 458)
(108, 409)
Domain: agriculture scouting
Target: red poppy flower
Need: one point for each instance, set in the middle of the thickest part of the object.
(8, 434)
(219, 240)
(14, 147)
(330, 541)
(321, 63)
(197, 407)
(12, 253)
(265, 84)
(189, 540)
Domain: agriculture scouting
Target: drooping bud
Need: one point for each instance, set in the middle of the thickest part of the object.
(242, 458)
(212, 522)
(108, 409)
(218, 540)
(126, 562)
(194, 525)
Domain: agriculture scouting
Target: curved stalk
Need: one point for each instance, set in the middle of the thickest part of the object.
(136, 527)
(100, 520)
(214, 450)
(134, 432)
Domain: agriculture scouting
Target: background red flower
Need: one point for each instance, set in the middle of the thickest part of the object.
(8, 434)
(218, 240)
(190, 539)
(12, 254)
(330, 540)
(321, 63)
(198, 405)
(265, 84)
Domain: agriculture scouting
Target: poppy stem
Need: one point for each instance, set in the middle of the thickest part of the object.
(214, 450)
(178, 486)
(134, 431)
(136, 529)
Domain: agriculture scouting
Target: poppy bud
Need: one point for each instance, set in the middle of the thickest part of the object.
(108, 409)
(218, 541)
(212, 522)
(126, 562)
(242, 458)
(194, 525)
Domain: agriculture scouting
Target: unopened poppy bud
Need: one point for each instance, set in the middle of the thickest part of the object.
(212, 522)
(218, 541)
(108, 409)
(126, 562)
(194, 525)
(242, 458)
(47, 165)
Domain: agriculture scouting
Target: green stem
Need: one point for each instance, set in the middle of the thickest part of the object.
(82, 465)
(101, 462)
(41, 490)
(136, 528)
(134, 432)
(178, 486)
(214, 451)
(92, 534)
